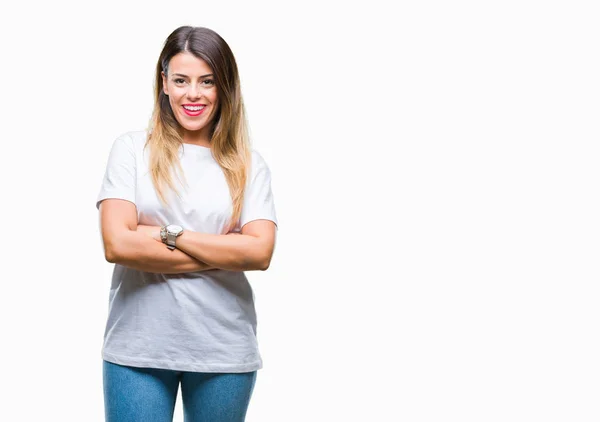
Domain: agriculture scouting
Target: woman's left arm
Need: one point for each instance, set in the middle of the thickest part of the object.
(250, 250)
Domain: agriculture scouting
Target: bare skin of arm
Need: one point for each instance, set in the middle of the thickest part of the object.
(249, 250)
(125, 245)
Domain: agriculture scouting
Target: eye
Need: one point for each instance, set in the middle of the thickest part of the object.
(179, 81)
(210, 81)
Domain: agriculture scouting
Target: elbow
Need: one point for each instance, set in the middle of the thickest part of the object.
(255, 264)
(110, 254)
(265, 259)
(264, 264)
(115, 249)
(251, 265)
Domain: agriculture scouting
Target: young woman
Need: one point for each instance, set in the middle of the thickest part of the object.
(185, 208)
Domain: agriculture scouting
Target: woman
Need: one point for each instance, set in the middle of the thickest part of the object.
(180, 306)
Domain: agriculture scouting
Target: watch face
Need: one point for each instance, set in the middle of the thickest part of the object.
(174, 228)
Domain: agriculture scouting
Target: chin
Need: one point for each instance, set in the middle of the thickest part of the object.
(193, 128)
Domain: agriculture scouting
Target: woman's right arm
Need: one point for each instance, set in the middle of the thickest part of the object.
(125, 246)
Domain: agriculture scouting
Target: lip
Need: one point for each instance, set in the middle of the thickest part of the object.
(193, 113)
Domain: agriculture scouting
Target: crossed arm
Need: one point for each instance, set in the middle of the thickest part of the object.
(139, 246)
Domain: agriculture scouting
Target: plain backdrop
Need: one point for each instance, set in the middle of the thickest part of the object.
(435, 174)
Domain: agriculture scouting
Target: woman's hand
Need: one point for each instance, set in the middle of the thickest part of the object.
(152, 231)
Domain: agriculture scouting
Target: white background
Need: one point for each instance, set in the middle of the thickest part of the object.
(435, 173)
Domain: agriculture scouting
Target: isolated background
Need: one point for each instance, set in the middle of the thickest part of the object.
(435, 173)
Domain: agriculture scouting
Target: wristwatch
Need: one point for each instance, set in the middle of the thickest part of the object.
(168, 234)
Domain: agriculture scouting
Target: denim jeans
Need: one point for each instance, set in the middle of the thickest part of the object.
(134, 394)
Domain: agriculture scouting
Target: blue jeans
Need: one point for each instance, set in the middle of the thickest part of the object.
(134, 394)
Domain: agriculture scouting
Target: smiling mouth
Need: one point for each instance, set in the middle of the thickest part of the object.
(193, 111)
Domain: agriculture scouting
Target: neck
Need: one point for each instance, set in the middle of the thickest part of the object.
(198, 138)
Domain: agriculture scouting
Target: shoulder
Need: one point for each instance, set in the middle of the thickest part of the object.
(258, 161)
(132, 141)
(259, 169)
(136, 138)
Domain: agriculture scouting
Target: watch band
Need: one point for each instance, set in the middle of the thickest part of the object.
(169, 237)
(163, 234)
(171, 240)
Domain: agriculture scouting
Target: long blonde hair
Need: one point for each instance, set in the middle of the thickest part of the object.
(230, 143)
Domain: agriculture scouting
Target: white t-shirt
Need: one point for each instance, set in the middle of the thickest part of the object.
(201, 321)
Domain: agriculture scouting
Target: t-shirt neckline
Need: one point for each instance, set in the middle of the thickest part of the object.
(194, 147)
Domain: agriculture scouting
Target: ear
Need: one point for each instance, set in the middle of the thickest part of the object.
(164, 79)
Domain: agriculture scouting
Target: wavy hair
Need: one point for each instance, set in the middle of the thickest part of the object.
(230, 144)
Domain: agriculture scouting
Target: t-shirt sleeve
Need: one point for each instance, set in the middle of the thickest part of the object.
(258, 198)
(120, 175)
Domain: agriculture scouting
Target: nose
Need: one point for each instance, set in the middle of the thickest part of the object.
(194, 91)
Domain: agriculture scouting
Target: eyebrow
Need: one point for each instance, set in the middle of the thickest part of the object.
(185, 76)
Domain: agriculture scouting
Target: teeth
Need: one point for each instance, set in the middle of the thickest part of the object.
(194, 108)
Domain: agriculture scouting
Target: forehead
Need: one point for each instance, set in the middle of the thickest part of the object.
(188, 64)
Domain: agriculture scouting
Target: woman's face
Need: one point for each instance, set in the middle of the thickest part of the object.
(190, 85)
